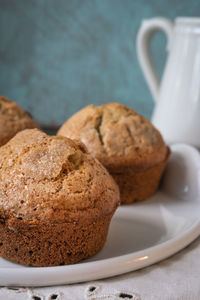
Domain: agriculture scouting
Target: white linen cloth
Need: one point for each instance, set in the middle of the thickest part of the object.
(176, 278)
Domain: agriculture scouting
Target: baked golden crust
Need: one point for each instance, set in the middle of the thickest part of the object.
(138, 185)
(52, 178)
(56, 200)
(40, 244)
(12, 120)
(127, 144)
(116, 135)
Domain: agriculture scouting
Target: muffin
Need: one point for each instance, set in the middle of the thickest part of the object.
(56, 200)
(127, 144)
(12, 120)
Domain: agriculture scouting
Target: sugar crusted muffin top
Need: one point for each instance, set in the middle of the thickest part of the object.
(53, 179)
(116, 135)
(12, 120)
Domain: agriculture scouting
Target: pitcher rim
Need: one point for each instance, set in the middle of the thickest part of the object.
(188, 20)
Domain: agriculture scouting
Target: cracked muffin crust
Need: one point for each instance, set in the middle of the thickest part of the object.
(127, 144)
(12, 120)
(56, 200)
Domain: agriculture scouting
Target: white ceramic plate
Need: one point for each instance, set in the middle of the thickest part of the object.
(140, 234)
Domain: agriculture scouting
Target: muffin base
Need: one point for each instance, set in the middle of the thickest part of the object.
(45, 245)
(138, 185)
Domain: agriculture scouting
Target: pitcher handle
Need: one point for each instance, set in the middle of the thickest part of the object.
(145, 33)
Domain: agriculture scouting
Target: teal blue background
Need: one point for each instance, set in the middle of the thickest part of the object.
(58, 56)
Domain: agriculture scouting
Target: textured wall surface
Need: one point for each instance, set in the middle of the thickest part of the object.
(58, 56)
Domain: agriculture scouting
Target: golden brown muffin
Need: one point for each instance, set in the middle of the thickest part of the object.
(127, 144)
(12, 120)
(56, 200)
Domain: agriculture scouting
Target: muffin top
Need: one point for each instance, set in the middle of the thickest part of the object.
(116, 135)
(12, 120)
(51, 178)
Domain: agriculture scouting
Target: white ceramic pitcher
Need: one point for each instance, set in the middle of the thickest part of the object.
(177, 98)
